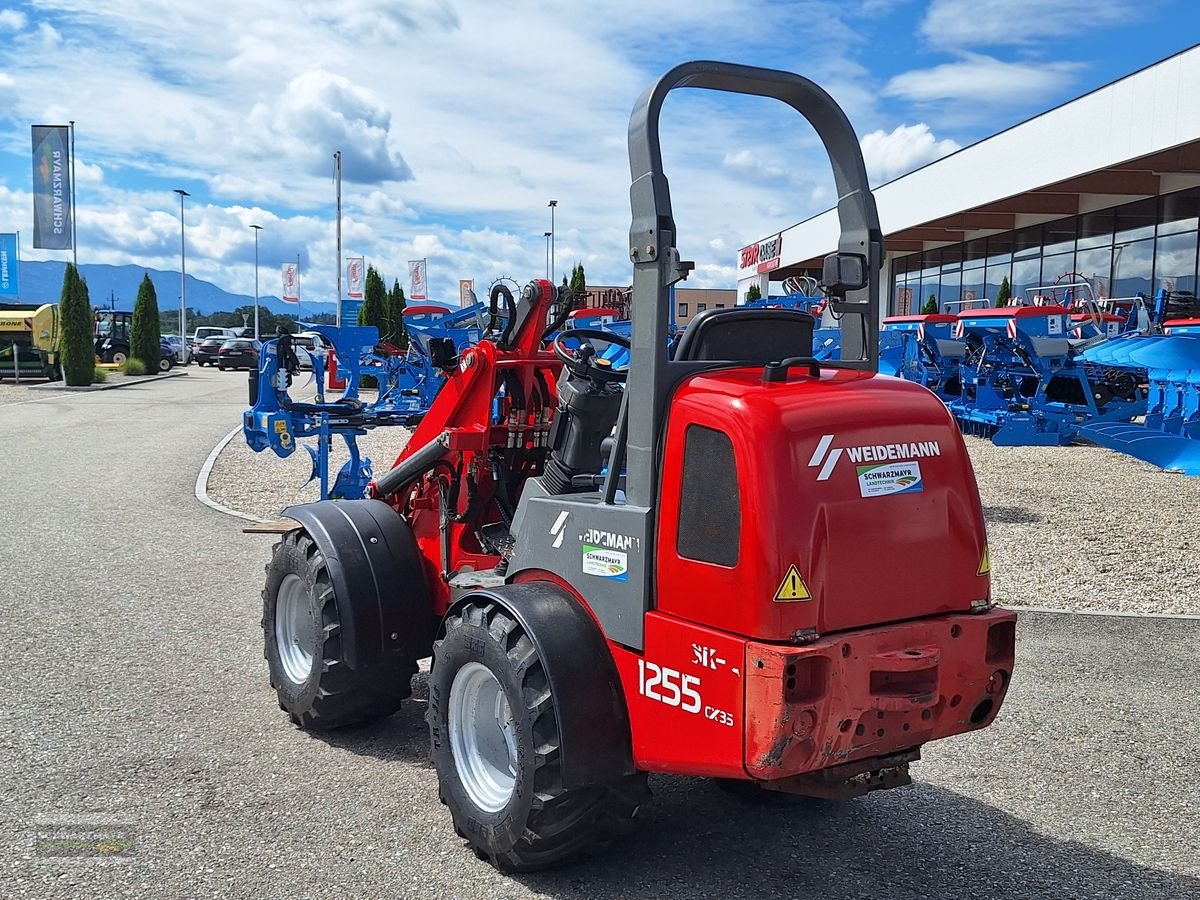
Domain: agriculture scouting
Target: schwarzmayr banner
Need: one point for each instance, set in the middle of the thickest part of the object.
(51, 187)
(10, 285)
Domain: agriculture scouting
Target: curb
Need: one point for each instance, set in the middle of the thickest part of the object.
(1107, 613)
(124, 382)
(206, 470)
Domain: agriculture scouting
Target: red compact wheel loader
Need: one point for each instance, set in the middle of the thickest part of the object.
(729, 561)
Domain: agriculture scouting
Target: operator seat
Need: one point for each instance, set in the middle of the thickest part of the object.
(752, 335)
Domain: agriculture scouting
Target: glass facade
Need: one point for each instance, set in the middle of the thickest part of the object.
(1138, 247)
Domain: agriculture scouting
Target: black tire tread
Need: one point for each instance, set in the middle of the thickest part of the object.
(344, 697)
(563, 824)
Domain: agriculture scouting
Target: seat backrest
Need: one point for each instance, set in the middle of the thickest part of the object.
(753, 335)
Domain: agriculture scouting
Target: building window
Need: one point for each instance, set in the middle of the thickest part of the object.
(1175, 263)
(701, 307)
(1139, 247)
(683, 310)
(720, 306)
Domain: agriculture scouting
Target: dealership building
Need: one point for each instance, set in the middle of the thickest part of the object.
(1106, 186)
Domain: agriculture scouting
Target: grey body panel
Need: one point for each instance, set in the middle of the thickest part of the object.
(550, 541)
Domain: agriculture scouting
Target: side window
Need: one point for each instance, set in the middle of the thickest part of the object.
(710, 516)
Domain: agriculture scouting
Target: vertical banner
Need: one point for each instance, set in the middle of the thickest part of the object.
(416, 274)
(51, 187)
(354, 277)
(10, 281)
(466, 292)
(291, 283)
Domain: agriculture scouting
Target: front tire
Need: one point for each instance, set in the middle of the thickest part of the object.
(164, 364)
(496, 739)
(306, 649)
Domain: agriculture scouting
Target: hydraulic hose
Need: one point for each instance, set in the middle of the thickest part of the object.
(501, 290)
(413, 467)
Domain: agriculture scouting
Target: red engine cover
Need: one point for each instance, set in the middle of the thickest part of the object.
(858, 506)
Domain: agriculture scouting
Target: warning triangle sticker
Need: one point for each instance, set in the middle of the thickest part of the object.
(985, 564)
(792, 588)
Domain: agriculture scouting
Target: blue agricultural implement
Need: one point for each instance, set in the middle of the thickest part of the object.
(1015, 374)
(407, 386)
(1168, 363)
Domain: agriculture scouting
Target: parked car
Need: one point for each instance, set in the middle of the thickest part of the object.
(238, 353)
(166, 359)
(176, 343)
(205, 352)
(210, 331)
(310, 341)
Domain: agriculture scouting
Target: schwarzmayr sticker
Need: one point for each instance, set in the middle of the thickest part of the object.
(606, 563)
(890, 478)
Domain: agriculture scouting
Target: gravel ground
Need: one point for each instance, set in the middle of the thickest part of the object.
(15, 393)
(1080, 528)
(135, 706)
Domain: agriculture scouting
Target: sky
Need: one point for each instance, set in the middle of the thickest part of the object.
(459, 120)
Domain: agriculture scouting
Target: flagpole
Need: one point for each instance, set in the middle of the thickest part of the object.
(337, 156)
(297, 291)
(74, 208)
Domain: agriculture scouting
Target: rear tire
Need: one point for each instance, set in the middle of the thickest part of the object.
(164, 364)
(496, 739)
(306, 650)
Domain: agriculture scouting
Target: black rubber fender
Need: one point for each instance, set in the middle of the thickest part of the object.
(373, 561)
(597, 744)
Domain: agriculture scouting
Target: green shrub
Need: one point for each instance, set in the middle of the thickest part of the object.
(931, 305)
(77, 343)
(144, 341)
(133, 366)
(99, 376)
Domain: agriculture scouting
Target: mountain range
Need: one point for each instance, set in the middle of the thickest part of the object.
(117, 286)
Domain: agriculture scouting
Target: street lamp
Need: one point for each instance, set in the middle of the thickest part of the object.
(546, 235)
(182, 279)
(552, 204)
(257, 229)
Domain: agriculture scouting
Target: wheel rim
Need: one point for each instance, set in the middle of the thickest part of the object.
(483, 737)
(119, 358)
(292, 625)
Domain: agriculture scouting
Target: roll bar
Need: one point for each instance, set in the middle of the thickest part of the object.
(851, 275)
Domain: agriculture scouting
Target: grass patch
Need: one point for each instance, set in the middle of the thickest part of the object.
(99, 375)
(133, 366)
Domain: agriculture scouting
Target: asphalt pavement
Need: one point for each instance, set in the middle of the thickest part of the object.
(136, 722)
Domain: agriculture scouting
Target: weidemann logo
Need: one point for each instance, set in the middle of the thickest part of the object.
(827, 458)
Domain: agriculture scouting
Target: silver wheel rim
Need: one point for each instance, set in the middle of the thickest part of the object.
(483, 737)
(119, 358)
(292, 624)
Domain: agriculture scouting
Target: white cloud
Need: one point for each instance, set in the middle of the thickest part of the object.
(319, 111)
(958, 23)
(48, 36)
(8, 93)
(978, 78)
(904, 148)
(12, 20)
